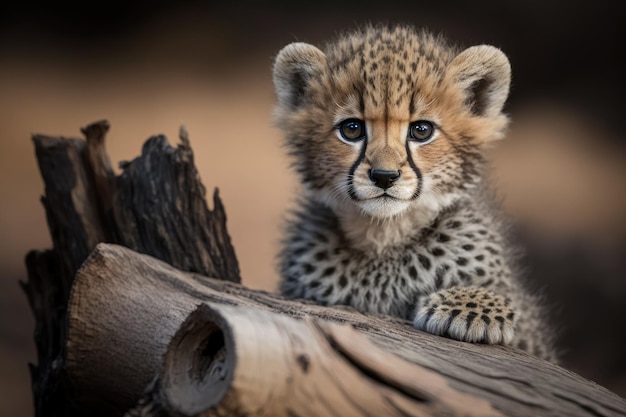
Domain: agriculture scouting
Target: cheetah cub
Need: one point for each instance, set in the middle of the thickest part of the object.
(386, 127)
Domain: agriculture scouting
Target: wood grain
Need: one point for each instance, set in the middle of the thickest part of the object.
(120, 289)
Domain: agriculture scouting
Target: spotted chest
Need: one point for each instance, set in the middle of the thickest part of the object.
(457, 249)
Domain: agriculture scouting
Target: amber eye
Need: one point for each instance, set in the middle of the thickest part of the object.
(352, 130)
(421, 131)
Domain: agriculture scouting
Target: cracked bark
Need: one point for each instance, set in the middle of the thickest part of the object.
(86, 203)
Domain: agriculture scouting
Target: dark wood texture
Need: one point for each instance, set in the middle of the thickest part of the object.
(156, 206)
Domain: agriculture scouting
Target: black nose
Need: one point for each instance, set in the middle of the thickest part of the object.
(383, 178)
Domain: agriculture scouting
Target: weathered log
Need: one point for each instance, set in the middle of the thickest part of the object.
(75, 229)
(247, 350)
(86, 204)
(239, 361)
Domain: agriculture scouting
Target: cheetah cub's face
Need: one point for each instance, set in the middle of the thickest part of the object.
(389, 119)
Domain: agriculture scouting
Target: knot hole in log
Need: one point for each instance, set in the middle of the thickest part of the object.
(198, 373)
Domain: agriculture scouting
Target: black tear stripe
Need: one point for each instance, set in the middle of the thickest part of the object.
(353, 168)
(418, 173)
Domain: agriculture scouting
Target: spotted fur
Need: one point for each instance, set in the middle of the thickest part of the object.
(429, 247)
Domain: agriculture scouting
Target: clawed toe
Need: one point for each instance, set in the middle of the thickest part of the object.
(469, 314)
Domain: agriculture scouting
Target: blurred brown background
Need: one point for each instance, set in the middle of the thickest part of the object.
(149, 67)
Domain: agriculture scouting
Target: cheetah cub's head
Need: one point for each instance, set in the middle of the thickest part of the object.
(384, 120)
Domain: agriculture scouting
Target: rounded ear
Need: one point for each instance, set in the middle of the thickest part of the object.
(293, 68)
(483, 74)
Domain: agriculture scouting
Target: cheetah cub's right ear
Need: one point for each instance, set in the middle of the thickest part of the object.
(483, 74)
(293, 68)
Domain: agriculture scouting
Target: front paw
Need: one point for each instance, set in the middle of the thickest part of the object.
(470, 314)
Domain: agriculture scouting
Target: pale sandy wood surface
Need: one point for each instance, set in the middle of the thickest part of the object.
(126, 308)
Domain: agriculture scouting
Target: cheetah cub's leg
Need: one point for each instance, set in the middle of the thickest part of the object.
(470, 314)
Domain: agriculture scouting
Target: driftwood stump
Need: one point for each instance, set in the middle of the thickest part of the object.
(147, 337)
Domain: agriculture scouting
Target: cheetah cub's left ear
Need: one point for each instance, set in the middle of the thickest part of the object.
(483, 75)
(294, 66)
